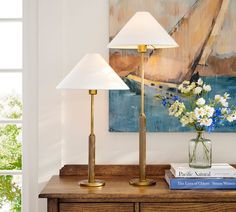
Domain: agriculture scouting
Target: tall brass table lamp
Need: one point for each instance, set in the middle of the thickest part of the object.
(92, 73)
(141, 32)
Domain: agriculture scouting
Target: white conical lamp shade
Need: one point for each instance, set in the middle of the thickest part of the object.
(92, 73)
(142, 29)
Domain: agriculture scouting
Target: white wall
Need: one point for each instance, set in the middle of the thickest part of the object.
(68, 29)
(49, 99)
(30, 109)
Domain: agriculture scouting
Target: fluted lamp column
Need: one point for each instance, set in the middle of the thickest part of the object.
(142, 32)
(92, 73)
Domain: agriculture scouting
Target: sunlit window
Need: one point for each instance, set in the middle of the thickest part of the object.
(11, 9)
(11, 45)
(11, 105)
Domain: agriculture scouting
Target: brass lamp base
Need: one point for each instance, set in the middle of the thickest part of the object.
(91, 181)
(138, 182)
(96, 183)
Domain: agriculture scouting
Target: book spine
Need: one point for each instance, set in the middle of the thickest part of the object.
(202, 183)
(203, 174)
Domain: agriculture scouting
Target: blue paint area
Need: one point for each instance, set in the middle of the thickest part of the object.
(124, 107)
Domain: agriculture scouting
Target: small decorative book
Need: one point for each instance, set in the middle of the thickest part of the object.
(218, 170)
(179, 183)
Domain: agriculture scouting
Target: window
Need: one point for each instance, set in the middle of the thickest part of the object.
(10, 105)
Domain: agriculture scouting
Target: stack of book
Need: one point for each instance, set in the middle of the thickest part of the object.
(219, 176)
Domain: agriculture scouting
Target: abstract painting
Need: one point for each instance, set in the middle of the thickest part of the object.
(205, 31)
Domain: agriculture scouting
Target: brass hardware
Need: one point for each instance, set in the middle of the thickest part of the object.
(96, 183)
(92, 182)
(93, 92)
(142, 48)
(138, 182)
(142, 181)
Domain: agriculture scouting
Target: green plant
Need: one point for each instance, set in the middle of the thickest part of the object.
(10, 147)
(11, 107)
(10, 192)
(10, 153)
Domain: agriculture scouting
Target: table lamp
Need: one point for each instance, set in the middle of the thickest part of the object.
(92, 73)
(142, 32)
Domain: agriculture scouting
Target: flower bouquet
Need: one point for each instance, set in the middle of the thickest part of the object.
(202, 113)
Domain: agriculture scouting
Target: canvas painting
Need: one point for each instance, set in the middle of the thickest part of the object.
(205, 31)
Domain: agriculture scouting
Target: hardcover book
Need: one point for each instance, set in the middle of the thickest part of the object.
(198, 183)
(217, 170)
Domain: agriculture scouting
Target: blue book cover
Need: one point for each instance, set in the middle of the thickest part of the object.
(199, 183)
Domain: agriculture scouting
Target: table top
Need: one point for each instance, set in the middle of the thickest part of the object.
(117, 188)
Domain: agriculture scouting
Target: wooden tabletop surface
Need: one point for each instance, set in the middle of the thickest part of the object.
(117, 189)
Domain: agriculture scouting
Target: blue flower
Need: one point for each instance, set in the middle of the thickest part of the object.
(218, 112)
(164, 102)
(217, 120)
(211, 127)
(176, 98)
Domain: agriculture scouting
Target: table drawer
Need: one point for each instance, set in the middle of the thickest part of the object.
(150, 207)
(98, 207)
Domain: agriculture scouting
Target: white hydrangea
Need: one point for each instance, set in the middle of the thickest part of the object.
(192, 117)
(176, 109)
(200, 82)
(185, 90)
(226, 96)
(217, 97)
(206, 88)
(197, 90)
(184, 84)
(192, 85)
(184, 120)
(209, 110)
(188, 118)
(186, 87)
(199, 112)
(200, 102)
(231, 117)
(179, 112)
(173, 109)
(206, 122)
(222, 99)
(224, 111)
(224, 102)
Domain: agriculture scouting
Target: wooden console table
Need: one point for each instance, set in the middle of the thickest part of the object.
(65, 195)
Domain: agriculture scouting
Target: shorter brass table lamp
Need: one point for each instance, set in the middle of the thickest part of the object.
(92, 73)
